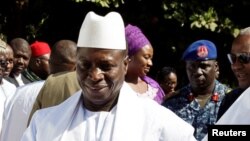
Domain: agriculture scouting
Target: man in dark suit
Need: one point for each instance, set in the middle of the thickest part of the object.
(22, 54)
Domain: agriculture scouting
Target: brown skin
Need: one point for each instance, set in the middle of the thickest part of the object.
(202, 75)
(169, 83)
(45, 64)
(139, 65)
(22, 54)
(2, 66)
(40, 65)
(9, 59)
(241, 71)
(141, 62)
(100, 73)
(63, 56)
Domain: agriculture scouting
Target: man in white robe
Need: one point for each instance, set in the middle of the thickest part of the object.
(237, 113)
(6, 88)
(132, 119)
(106, 108)
(17, 110)
(235, 108)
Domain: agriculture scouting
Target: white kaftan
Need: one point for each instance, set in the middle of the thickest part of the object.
(7, 89)
(16, 113)
(238, 113)
(132, 119)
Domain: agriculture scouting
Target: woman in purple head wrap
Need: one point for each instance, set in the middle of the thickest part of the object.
(140, 53)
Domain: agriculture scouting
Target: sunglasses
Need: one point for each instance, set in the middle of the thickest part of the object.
(243, 58)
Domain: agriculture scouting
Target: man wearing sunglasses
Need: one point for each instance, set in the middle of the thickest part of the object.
(240, 65)
(6, 88)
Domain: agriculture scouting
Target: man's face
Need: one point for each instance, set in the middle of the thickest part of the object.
(201, 74)
(21, 59)
(43, 66)
(241, 69)
(100, 73)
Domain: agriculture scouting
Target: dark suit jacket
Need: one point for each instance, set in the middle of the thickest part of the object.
(228, 100)
(12, 80)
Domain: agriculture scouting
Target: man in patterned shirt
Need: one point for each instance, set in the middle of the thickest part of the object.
(198, 102)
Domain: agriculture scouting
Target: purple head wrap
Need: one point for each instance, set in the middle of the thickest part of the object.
(135, 39)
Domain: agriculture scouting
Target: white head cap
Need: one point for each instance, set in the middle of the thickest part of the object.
(106, 32)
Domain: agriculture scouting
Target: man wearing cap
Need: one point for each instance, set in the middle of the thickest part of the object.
(106, 108)
(6, 88)
(63, 82)
(198, 102)
(38, 68)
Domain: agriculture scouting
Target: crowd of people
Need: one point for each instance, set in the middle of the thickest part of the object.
(97, 88)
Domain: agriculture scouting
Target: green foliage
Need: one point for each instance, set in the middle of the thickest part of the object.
(34, 30)
(194, 14)
(207, 19)
(3, 22)
(103, 3)
(197, 15)
(174, 11)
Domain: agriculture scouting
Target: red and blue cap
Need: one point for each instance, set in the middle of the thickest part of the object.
(200, 50)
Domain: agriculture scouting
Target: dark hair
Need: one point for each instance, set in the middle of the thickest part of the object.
(163, 72)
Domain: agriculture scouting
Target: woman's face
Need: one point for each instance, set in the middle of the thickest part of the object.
(141, 62)
(169, 83)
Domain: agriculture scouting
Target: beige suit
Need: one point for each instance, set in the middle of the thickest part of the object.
(57, 88)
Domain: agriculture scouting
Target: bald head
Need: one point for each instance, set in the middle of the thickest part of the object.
(243, 38)
(22, 54)
(20, 43)
(63, 56)
(239, 57)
